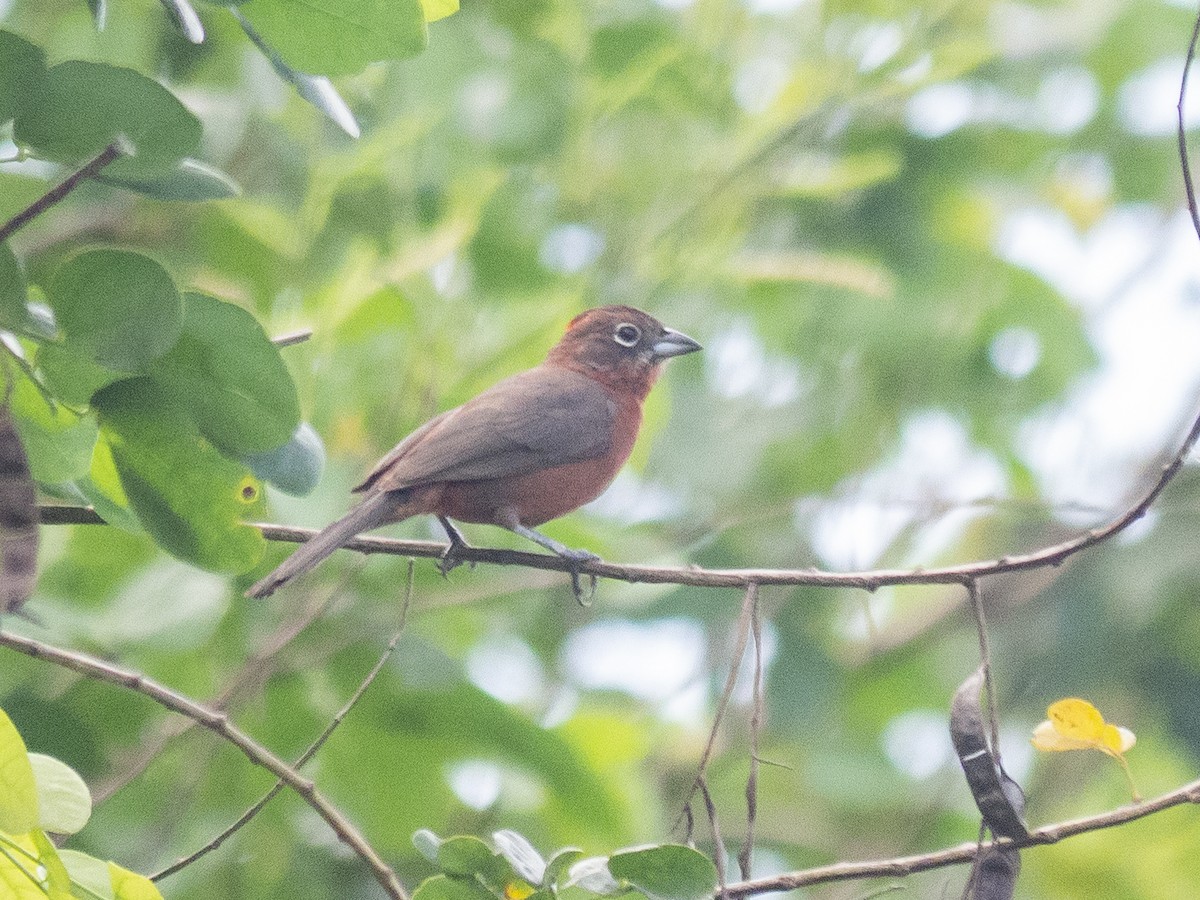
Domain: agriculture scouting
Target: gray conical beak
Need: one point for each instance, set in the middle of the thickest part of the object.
(673, 343)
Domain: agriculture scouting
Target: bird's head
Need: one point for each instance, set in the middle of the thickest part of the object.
(619, 346)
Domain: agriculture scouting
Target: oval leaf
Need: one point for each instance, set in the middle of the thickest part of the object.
(64, 801)
(464, 855)
(18, 788)
(120, 308)
(666, 872)
(22, 73)
(89, 873)
(230, 378)
(82, 107)
(339, 37)
(444, 887)
(296, 467)
(128, 885)
(525, 860)
(427, 843)
(183, 491)
(191, 181)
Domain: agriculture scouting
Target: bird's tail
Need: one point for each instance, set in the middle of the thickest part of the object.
(375, 510)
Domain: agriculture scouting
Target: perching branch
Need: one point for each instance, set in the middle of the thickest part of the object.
(868, 580)
(218, 723)
(90, 169)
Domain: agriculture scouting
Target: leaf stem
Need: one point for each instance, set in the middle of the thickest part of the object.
(90, 169)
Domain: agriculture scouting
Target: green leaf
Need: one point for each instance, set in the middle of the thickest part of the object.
(339, 37)
(230, 378)
(296, 467)
(444, 887)
(191, 181)
(464, 855)
(64, 801)
(84, 106)
(121, 308)
(18, 788)
(57, 442)
(521, 855)
(102, 489)
(22, 72)
(438, 9)
(13, 293)
(185, 494)
(315, 89)
(128, 885)
(89, 873)
(560, 863)
(666, 872)
(427, 843)
(71, 376)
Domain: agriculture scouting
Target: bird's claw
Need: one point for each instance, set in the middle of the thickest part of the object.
(451, 557)
(579, 558)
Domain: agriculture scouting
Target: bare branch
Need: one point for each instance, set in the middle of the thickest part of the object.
(90, 169)
(739, 649)
(694, 576)
(963, 853)
(985, 660)
(756, 721)
(218, 723)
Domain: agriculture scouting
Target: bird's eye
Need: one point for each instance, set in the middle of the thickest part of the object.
(627, 335)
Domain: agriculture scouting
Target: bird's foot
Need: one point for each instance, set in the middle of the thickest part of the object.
(451, 557)
(579, 558)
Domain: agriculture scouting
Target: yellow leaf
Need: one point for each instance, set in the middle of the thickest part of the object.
(438, 9)
(1074, 724)
(128, 885)
(518, 890)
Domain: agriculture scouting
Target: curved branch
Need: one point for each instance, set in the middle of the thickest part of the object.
(868, 580)
(218, 723)
(963, 853)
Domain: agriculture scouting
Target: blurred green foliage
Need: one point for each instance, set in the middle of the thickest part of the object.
(821, 193)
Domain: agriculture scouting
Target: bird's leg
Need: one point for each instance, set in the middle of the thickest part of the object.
(450, 559)
(576, 557)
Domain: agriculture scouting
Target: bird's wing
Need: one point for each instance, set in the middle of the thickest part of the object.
(538, 419)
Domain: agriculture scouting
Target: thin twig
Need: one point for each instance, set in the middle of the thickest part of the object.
(739, 649)
(963, 853)
(1184, 165)
(719, 853)
(253, 672)
(310, 752)
(90, 169)
(218, 723)
(985, 659)
(756, 721)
